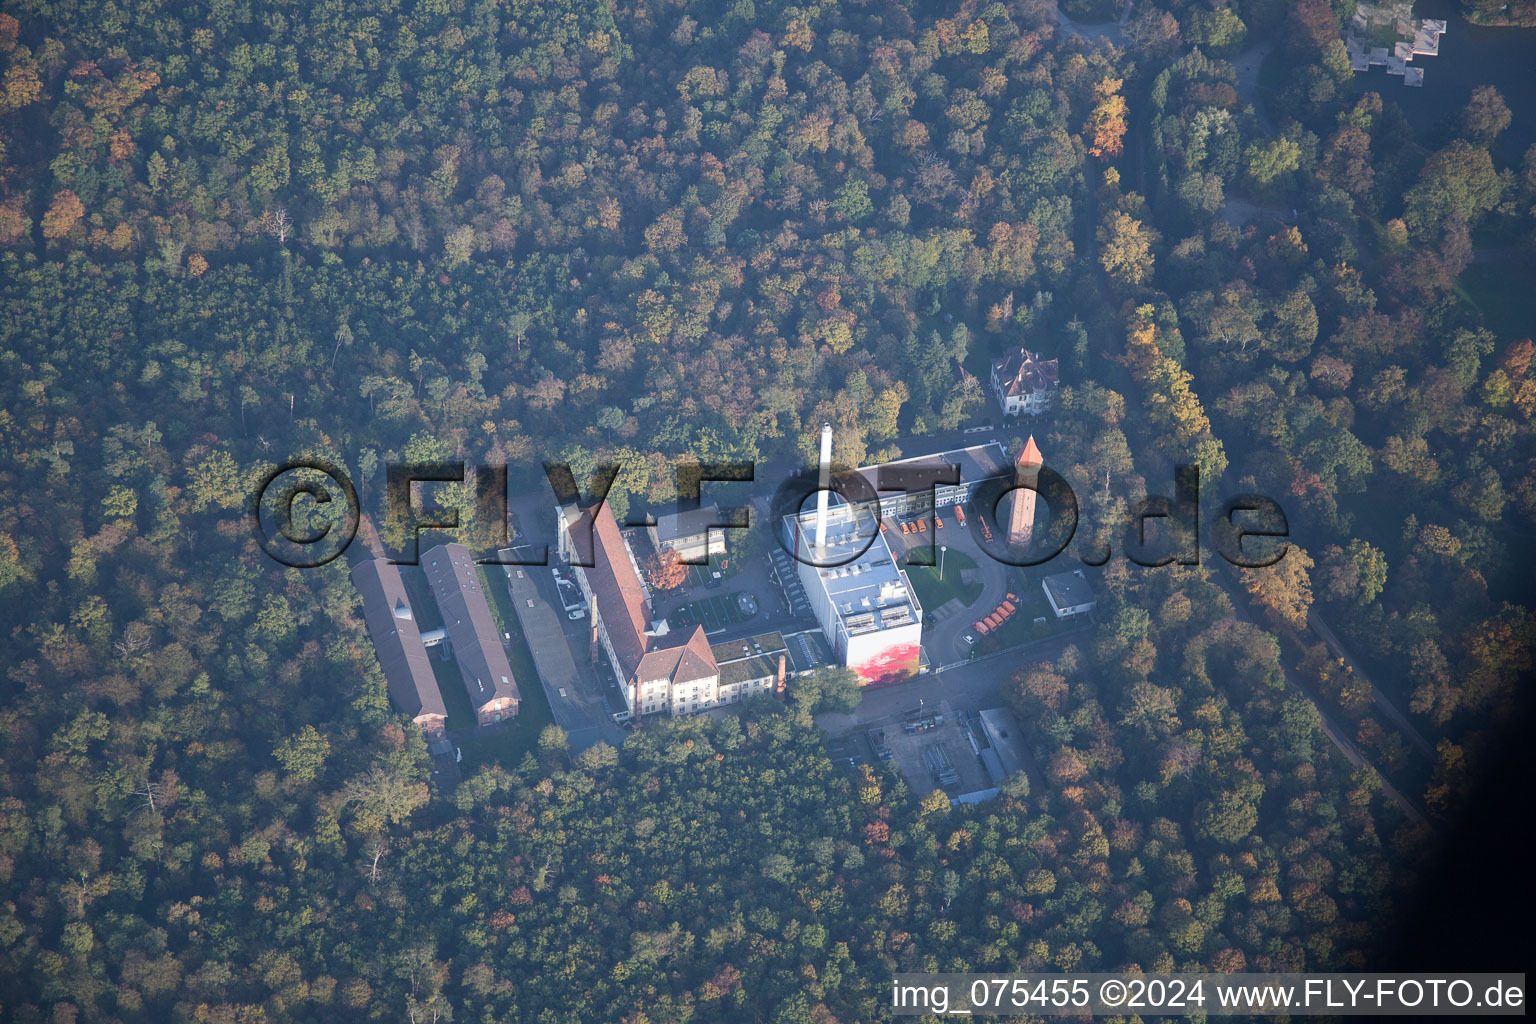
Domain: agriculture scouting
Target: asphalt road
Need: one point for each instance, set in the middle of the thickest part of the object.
(1384, 703)
(574, 691)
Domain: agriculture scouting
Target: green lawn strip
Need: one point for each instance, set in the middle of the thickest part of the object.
(461, 714)
(533, 714)
(933, 592)
(423, 608)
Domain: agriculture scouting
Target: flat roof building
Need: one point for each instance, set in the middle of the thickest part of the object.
(977, 463)
(482, 661)
(867, 609)
(1002, 732)
(1068, 593)
(397, 643)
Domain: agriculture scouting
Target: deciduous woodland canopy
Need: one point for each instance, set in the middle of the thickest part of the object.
(234, 232)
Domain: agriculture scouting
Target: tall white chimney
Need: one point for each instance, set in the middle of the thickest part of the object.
(823, 494)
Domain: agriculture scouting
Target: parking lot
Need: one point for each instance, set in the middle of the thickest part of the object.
(951, 693)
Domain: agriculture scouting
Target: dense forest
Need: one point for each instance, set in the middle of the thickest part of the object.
(233, 233)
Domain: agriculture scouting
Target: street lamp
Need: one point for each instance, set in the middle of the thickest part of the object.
(942, 548)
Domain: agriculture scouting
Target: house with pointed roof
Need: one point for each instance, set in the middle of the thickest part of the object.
(398, 644)
(476, 643)
(657, 670)
(1025, 384)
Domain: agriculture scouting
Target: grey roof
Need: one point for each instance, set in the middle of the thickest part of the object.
(678, 526)
(993, 765)
(1069, 589)
(977, 462)
(1007, 742)
(397, 639)
(455, 584)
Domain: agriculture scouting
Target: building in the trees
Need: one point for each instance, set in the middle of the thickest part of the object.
(1068, 593)
(397, 642)
(688, 534)
(867, 608)
(1005, 744)
(476, 644)
(1021, 516)
(1025, 384)
(657, 670)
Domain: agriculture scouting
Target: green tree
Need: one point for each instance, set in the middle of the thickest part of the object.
(829, 688)
(381, 797)
(853, 201)
(303, 754)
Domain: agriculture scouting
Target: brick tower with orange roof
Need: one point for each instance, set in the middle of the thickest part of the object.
(1026, 473)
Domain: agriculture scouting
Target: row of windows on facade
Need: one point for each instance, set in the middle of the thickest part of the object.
(694, 703)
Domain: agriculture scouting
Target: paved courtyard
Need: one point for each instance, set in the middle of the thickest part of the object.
(944, 638)
(949, 739)
(967, 687)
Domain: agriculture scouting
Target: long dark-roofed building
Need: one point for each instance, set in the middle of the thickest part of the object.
(398, 645)
(977, 463)
(477, 649)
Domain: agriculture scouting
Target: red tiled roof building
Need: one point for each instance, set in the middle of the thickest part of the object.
(657, 669)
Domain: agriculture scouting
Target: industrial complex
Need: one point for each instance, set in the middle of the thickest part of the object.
(847, 597)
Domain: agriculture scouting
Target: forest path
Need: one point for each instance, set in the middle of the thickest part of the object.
(1389, 709)
(1247, 65)
(1143, 443)
(1338, 734)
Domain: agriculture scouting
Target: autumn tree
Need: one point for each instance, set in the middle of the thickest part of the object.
(1484, 117)
(1125, 245)
(665, 570)
(1106, 122)
(1285, 588)
(64, 212)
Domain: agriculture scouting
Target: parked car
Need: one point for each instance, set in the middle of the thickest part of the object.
(970, 639)
(554, 571)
